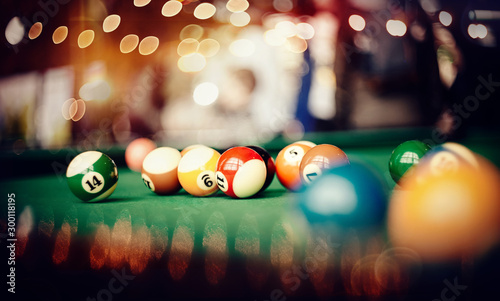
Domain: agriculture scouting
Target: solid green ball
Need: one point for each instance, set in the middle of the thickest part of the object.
(405, 156)
(92, 176)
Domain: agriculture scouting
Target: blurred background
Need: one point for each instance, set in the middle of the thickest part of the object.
(97, 73)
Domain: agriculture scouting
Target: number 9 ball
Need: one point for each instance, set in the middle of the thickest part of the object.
(92, 176)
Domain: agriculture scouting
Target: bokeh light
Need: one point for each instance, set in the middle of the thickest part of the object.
(296, 44)
(396, 28)
(242, 48)
(357, 22)
(193, 62)
(204, 11)
(205, 93)
(111, 23)
(141, 3)
(305, 30)
(95, 90)
(236, 6)
(35, 30)
(86, 38)
(445, 18)
(477, 31)
(187, 46)
(79, 108)
(286, 28)
(171, 8)
(68, 110)
(60, 34)
(129, 43)
(274, 38)
(283, 6)
(192, 31)
(208, 47)
(149, 45)
(14, 32)
(239, 19)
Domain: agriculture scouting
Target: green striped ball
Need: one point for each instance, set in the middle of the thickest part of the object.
(92, 176)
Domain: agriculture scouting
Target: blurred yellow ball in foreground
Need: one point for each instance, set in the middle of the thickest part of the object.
(443, 216)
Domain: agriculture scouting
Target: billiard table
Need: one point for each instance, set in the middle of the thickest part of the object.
(138, 245)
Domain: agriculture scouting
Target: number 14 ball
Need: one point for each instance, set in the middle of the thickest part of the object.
(92, 176)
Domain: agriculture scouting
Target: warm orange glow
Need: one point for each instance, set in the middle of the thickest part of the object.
(63, 241)
(181, 249)
(121, 235)
(296, 44)
(171, 8)
(204, 11)
(141, 3)
(192, 31)
(215, 244)
(100, 247)
(236, 6)
(187, 46)
(194, 62)
(68, 109)
(111, 23)
(86, 38)
(78, 107)
(35, 30)
(129, 43)
(149, 45)
(240, 19)
(208, 47)
(60, 34)
(139, 251)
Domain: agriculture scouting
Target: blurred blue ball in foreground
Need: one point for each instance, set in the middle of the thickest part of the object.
(347, 196)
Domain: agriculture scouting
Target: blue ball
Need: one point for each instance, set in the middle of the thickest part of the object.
(347, 196)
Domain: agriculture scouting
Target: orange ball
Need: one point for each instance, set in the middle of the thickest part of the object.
(443, 216)
(159, 170)
(136, 151)
(319, 158)
(288, 162)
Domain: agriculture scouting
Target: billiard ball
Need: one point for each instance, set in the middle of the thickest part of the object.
(92, 176)
(449, 156)
(445, 215)
(136, 151)
(241, 172)
(190, 147)
(288, 163)
(270, 166)
(159, 170)
(405, 156)
(319, 158)
(196, 171)
(348, 196)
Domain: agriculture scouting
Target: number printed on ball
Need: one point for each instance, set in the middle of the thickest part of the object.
(443, 162)
(93, 182)
(221, 181)
(311, 172)
(205, 180)
(147, 181)
(294, 153)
